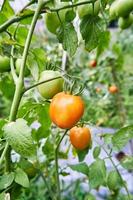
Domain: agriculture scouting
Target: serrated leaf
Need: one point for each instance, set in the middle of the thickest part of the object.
(96, 152)
(6, 180)
(103, 42)
(122, 136)
(91, 28)
(68, 37)
(18, 135)
(127, 162)
(7, 9)
(97, 173)
(80, 167)
(114, 181)
(21, 178)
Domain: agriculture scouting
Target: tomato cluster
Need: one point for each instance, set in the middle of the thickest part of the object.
(122, 9)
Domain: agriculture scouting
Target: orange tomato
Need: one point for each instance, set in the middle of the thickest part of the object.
(66, 110)
(80, 137)
(113, 89)
(93, 63)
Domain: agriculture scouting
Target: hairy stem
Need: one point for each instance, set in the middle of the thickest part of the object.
(57, 166)
(20, 81)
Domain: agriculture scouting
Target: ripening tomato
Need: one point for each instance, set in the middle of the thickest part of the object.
(18, 65)
(51, 88)
(125, 22)
(93, 63)
(66, 110)
(4, 64)
(113, 89)
(80, 137)
(87, 9)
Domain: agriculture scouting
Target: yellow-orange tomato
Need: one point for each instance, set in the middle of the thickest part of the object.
(80, 137)
(66, 110)
(113, 89)
(93, 63)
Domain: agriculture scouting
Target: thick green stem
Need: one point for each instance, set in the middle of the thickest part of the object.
(57, 166)
(20, 81)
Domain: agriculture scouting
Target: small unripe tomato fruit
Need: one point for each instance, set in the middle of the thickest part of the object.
(87, 9)
(18, 66)
(80, 137)
(51, 88)
(93, 63)
(121, 8)
(4, 64)
(66, 110)
(125, 22)
(113, 89)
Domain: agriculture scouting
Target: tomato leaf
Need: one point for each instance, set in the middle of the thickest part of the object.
(122, 136)
(127, 162)
(18, 134)
(114, 181)
(6, 180)
(80, 167)
(97, 173)
(103, 42)
(21, 178)
(96, 152)
(91, 28)
(68, 37)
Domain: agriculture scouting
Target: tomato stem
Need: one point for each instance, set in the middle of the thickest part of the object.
(57, 166)
(20, 81)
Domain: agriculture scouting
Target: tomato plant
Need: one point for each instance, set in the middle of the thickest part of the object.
(55, 110)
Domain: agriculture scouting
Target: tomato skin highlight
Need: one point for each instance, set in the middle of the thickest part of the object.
(66, 110)
(51, 88)
(80, 137)
(113, 89)
(4, 64)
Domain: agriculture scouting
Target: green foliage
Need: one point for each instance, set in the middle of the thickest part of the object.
(97, 174)
(114, 181)
(81, 167)
(91, 29)
(6, 180)
(21, 178)
(96, 152)
(18, 135)
(67, 33)
(122, 136)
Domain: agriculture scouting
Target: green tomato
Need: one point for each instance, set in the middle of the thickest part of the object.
(52, 21)
(18, 65)
(4, 64)
(126, 22)
(49, 89)
(87, 9)
(121, 8)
